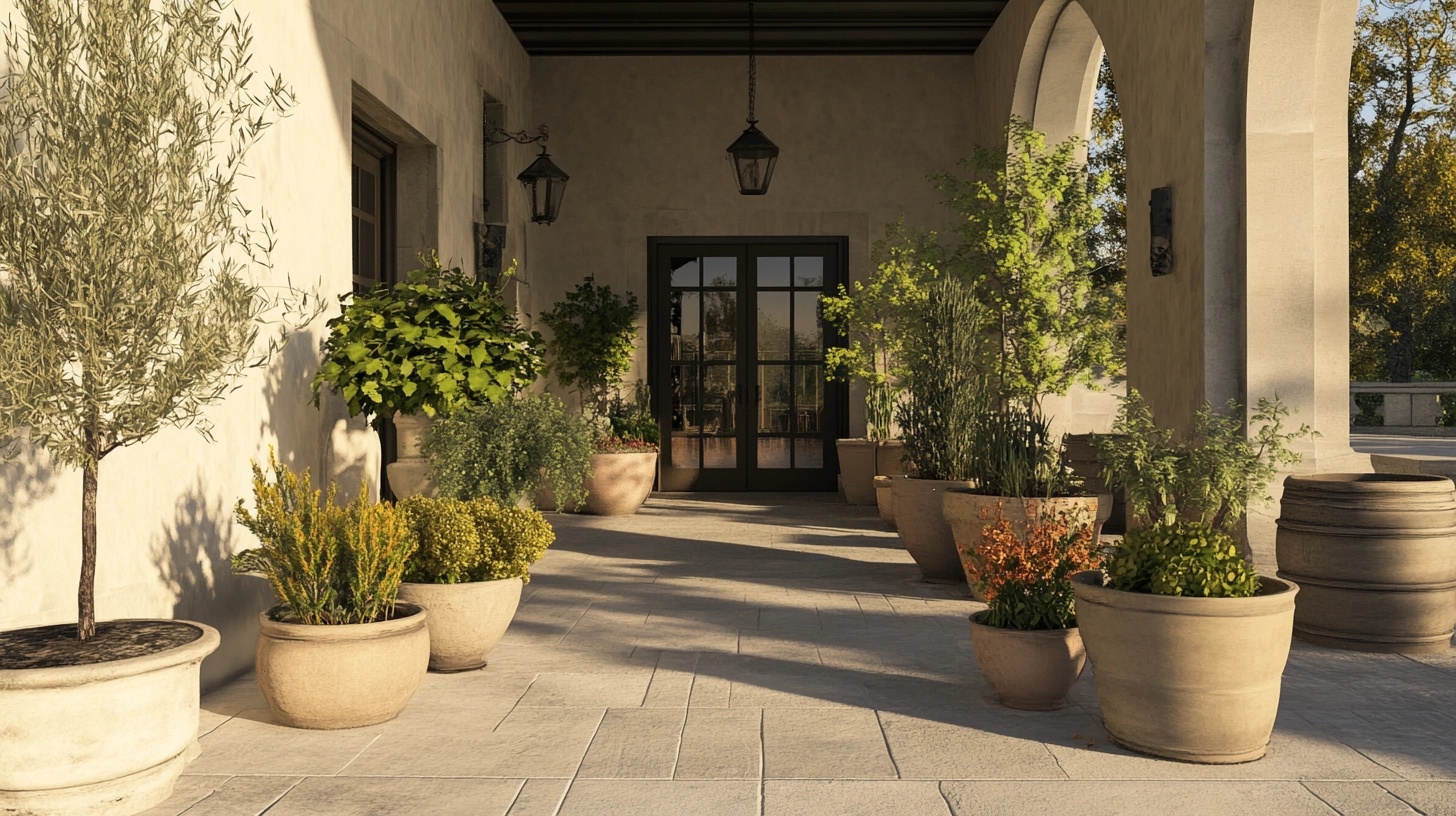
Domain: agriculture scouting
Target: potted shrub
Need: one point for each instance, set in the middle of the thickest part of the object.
(424, 347)
(339, 651)
(125, 307)
(593, 334)
(1027, 643)
(510, 451)
(473, 559)
(869, 314)
(1187, 642)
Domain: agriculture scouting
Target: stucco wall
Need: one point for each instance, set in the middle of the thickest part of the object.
(165, 511)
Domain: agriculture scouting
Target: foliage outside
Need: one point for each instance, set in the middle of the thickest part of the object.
(1210, 476)
(329, 565)
(125, 244)
(505, 451)
(944, 382)
(593, 335)
(1189, 558)
(1026, 575)
(871, 314)
(432, 344)
(475, 540)
(1107, 159)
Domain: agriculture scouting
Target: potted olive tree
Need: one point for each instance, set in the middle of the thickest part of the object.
(1187, 642)
(869, 315)
(126, 306)
(593, 336)
(425, 347)
(338, 651)
(473, 559)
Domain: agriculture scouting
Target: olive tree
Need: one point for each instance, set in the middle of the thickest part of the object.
(126, 250)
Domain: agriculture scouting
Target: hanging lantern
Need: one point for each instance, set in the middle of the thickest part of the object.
(752, 154)
(545, 185)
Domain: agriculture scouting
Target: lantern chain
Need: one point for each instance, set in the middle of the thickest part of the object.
(752, 67)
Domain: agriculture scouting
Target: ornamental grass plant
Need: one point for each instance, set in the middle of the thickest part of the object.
(1025, 575)
(475, 540)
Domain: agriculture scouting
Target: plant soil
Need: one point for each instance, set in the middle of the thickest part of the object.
(50, 647)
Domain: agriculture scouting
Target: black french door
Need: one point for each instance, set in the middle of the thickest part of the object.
(736, 361)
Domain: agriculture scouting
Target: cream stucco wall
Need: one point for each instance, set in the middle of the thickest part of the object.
(166, 506)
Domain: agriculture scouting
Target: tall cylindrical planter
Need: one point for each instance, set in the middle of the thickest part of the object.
(344, 676)
(890, 458)
(1032, 670)
(968, 514)
(409, 473)
(857, 469)
(1374, 555)
(100, 738)
(465, 621)
(620, 482)
(923, 528)
(885, 500)
(1194, 679)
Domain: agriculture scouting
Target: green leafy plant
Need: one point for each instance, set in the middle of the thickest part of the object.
(945, 385)
(126, 247)
(1189, 558)
(476, 540)
(1025, 575)
(593, 335)
(506, 451)
(871, 313)
(1016, 455)
(632, 421)
(1210, 475)
(432, 344)
(1023, 219)
(328, 564)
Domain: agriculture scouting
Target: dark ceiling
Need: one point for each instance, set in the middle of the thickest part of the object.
(622, 27)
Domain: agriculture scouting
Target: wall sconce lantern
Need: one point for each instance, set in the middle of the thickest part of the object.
(752, 154)
(1160, 222)
(545, 183)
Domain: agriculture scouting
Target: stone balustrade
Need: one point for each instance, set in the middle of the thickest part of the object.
(1407, 405)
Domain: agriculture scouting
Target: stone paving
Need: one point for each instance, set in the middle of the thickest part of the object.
(780, 655)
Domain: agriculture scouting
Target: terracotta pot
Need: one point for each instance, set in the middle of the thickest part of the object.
(968, 515)
(465, 621)
(1030, 670)
(343, 676)
(1374, 555)
(857, 470)
(619, 482)
(885, 500)
(409, 473)
(890, 458)
(1195, 679)
(102, 738)
(922, 526)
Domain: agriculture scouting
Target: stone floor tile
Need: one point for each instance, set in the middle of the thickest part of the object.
(852, 798)
(586, 690)
(531, 742)
(540, 797)
(611, 797)
(822, 744)
(721, 744)
(253, 743)
(949, 744)
(188, 791)
(1360, 798)
(243, 796)
(710, 692)
(778, 644)
(398, 796)
(1427, 798)
(1122, 798)
(634, 743)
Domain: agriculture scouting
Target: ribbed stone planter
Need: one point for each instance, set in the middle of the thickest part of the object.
(1194, 679)
(1029, 670)
(100, 738)
(1374, 555)
(885, 500)
(923, 528)
(465, 621)
(343, 676)
(619, 483)
(857, 469)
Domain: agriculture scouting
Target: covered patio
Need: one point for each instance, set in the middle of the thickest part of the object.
(780, 654)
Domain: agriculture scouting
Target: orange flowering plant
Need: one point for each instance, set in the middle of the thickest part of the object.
(1024, 569)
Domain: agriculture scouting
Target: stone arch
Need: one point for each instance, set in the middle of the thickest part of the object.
(1057, 78)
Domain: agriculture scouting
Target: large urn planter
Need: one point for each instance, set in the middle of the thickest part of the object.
(1193, 679)
(1032, 670)
(409, 473)
(923, 528)
(620, 482)
(465, 621)
(1374, 555)
(968, 515)
(100, 738)
(343, 676)
(857, 469)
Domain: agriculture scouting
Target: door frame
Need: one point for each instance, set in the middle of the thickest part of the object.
(836, 403)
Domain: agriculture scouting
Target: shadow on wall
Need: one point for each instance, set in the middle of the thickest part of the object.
(25, 480)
